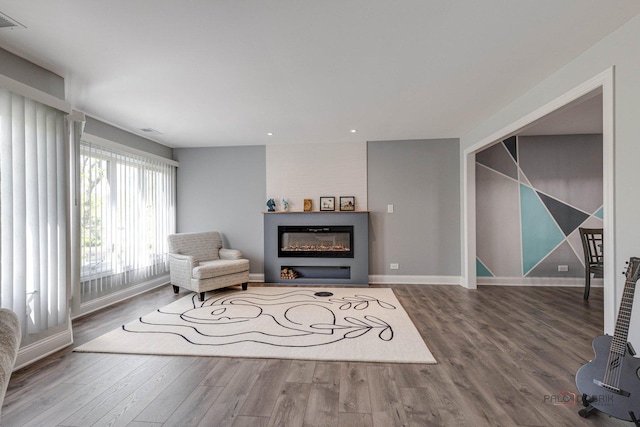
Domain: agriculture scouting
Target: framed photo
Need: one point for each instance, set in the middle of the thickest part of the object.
(307, 205)
(348, 203)
(327, 203)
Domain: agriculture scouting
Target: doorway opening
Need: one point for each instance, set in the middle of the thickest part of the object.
(597, 92)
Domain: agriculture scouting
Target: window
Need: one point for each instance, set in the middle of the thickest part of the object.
(127, 205)
(34, 273)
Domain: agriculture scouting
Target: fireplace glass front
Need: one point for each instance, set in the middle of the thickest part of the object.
(315, 241)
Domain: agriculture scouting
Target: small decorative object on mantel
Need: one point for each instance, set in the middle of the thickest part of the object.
(327, 203)
(285, 205)
(347, 203)
(271, 204)
(307, 205)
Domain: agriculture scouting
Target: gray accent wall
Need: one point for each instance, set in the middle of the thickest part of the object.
(565, 167)
(421, 178)
(498, 236)
(224, 189)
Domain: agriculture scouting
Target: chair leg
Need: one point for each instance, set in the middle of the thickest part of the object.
(587, 282)
(244, 286)
(201, 296)
(176, 289)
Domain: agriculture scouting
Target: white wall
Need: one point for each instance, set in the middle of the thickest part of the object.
(310, 171)
(621, 49)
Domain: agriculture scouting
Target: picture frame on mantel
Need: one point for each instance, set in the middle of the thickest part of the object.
(327, 203)
(308, 205)
(348, 203)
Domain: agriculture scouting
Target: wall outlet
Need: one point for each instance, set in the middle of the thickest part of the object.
(394, 266)
(389, 208)
(563, 268)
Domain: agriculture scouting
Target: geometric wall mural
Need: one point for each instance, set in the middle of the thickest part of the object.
(540, 233)
(532, 195)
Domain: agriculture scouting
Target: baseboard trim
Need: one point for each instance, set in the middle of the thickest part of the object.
(116, 297)
(43, 348)
(255, 277)
(538, 281)
(386, 279)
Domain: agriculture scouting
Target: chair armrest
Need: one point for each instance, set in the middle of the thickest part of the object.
(230, 254)
(181, 268)
(10, 337)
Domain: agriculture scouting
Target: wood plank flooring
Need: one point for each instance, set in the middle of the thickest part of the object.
(501, 352)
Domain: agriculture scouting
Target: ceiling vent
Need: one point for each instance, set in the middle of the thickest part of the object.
(151, 131)
(8, 23)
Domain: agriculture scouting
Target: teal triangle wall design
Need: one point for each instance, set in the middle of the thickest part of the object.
(600, 213)
(540, 234)
(482, 270)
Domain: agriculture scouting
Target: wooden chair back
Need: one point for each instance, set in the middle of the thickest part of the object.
(592, 246)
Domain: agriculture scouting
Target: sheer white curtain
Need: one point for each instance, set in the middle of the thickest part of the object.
(127, 205)
(33, 214)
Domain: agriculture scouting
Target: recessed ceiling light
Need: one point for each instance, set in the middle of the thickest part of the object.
(354, 130)
(269, 133)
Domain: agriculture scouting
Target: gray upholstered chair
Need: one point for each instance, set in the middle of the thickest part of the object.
(197, 261)
(9, 345)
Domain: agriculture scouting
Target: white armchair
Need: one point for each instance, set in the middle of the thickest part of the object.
(197, 261)
(10, 337)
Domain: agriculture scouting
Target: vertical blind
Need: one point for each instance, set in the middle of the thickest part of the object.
(33, 213)
(127, 210)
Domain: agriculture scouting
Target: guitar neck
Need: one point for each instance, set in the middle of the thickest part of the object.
(619, 342)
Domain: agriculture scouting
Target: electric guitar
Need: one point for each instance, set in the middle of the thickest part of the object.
(610, 383)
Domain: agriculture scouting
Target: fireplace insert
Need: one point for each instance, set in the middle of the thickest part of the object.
(333, 241)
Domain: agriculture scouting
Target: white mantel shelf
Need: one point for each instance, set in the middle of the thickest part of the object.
(312, 212)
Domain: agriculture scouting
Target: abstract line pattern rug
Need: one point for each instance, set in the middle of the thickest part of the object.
(347, 324)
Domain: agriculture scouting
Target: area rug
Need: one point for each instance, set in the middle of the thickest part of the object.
(345, 324)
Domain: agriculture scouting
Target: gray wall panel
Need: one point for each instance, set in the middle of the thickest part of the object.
(497, 157)
(31, 74)
(421, 178)
(566, 167)
(112, 133)
(358, 265)
(224, 189)
(498, 231)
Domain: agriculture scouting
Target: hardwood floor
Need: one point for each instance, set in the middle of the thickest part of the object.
(502, 352)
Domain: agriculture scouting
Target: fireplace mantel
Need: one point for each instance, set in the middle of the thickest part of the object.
(318, 270)
(312, 212)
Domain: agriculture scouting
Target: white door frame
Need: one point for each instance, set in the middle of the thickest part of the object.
(604, 80)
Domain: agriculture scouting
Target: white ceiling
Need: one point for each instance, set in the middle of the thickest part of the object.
(582, 116)
(227, 72)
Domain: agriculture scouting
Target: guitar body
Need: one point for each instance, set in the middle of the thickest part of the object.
(618, 405)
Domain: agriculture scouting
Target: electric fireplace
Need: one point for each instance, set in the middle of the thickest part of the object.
(316, 248)
(332, 241)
